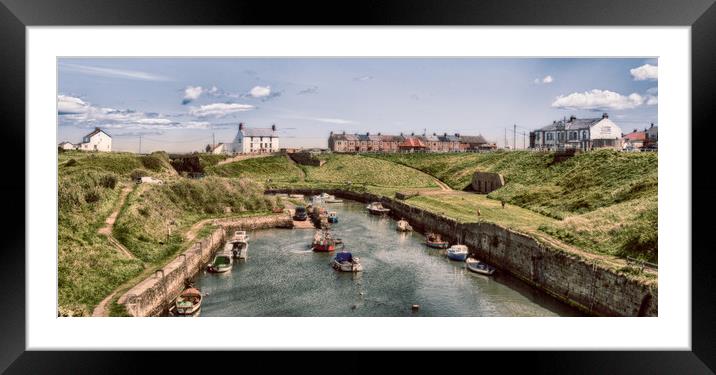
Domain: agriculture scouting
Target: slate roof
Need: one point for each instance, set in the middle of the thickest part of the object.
(258, 132)
(96, 131)
(574, 124)
(479, 139)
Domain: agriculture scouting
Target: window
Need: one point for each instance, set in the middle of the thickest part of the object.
(550, 136)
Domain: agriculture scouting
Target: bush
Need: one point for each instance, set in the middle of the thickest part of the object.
(92, 196)
(108, 181)
(138, 173)
(71, 162)
(152, 162)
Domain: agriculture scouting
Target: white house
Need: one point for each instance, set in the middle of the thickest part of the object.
(582, 134)
(66, 146)
(98, 140)
(254, 140)
(221, 148)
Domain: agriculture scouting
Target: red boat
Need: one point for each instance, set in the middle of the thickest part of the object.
(323, 242)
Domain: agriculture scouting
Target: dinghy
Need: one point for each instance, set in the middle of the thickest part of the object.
(403, 226)
(457, 252)
(346, 262)
(376, 208)
(433, 240)
(477, 266)
(188, 303)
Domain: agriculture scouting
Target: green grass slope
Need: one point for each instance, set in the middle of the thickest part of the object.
(369, 171)
(277, 168)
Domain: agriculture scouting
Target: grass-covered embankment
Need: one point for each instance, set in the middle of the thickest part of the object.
(89, 185)
(603, 201)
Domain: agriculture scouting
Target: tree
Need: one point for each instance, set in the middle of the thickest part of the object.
(208, 148)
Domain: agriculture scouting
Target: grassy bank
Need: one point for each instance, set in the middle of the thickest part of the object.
(604, 201)
(151, 223)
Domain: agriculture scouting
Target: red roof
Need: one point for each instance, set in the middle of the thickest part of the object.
(411, 142)
(636, 136)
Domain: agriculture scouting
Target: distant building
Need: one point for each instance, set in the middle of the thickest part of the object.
(254, 141)
(580, 134)
(66, 146)
(342, 142)
(220, 148)
(634, 141)
(97, 140)
(652, 137)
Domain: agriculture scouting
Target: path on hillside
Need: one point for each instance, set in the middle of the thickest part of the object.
(243, 157)
(106, 230)
(302, 174)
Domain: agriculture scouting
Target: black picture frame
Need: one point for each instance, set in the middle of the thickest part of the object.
(700, 15)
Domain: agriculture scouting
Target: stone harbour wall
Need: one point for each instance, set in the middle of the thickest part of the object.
(589, 287)
(154, 295)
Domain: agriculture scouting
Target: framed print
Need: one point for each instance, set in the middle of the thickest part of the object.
(404, 176)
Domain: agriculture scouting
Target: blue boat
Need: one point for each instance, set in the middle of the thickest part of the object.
(346, 262)
(332, 217)
(457, 252)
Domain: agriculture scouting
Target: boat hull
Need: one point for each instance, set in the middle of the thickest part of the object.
(378, 212)
(457, 256)
(479, 267)
(324, 248)
(332, 220)
(347, 266)
(437, 245)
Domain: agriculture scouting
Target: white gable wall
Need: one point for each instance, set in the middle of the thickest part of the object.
(98, 142)
(605, 129)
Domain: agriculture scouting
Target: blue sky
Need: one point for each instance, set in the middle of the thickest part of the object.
(179, 104)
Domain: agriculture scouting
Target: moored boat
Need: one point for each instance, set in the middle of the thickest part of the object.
(332, 217)
(480, 267)
(239, 249)
(346, 262)
(222, 262)
(323, 242)
(433, 240)
(188, 303)
(376, 208)
(327, 198)
(457, 252)
(403, 226)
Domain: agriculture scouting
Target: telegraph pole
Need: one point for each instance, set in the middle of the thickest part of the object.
(514, 136)
(213, 141)
(505, 138)
(524, 138)
(140, 144)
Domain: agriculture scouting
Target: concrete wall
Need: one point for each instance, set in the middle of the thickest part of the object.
(154, 295)
(485, 182)
(589, 287)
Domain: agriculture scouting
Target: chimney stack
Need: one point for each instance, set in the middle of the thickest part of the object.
(573, 117)
(652, 125)
(605, 115)
(273, 127)
(241, 126)
(412, 134)
(367, 134)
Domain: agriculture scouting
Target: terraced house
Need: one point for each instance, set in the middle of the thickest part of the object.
(581, 134)
(342, 142)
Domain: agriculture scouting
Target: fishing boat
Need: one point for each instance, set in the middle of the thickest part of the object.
(376, 208)
(346, 262)
(323, 242)
(222, 262)
(239, 245)
(332, 217)
(477, 266)
(403, 226)
(457, 252)
(433, 240)
(188, 303)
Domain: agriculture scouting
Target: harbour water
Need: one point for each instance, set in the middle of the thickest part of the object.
(283, 277)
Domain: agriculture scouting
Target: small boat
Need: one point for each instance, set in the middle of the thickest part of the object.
(433, 240)
(404, 226)
(327, 198)
(346, 262)
(188, 303)
(323, 242)
(477, 266)
(240, 235)
(222, 262)
(457, 252)
(376, 208)
(239, 248)
(332, 217)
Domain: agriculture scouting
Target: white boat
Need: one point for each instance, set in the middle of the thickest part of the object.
(346, 262)
(238, 245)
(188, 303)
(222, 262)
(376, 208)
(327, 198)
(403, 226)
(477, 266)
(457, 252)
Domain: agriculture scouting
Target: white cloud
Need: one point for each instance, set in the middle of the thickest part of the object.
(114, 73)
(653, 91)
(260, 91)
(219, 109)
(363, 78)
(70, 105)
(598, 100)
(192, 93)
(154, 121)
(652, 100)
(544, 80)
(645, 72)
(338, 121)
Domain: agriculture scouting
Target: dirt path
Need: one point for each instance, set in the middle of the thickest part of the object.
(106, 230)
(194, 230)
(101, 308)
(243, 157)
(300, 170)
